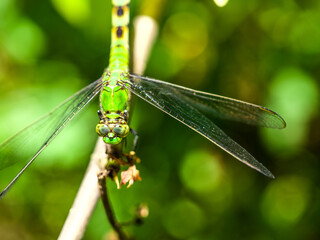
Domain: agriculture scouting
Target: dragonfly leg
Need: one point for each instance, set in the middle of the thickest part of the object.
(135, 140)
(100, 115)
(125, 114)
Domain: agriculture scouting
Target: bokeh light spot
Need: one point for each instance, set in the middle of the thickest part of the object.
(221, 3)
(200, 171)
(294, 96)
(183, 219)
(285, 201)
(185, 35)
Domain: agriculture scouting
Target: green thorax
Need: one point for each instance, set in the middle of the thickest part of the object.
(114, 97)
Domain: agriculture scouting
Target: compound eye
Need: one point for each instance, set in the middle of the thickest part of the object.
(119, 130)
(102, 129)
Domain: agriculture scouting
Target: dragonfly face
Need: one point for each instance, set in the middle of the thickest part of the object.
(113, 128)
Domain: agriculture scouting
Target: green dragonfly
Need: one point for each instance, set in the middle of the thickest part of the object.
(116, 87)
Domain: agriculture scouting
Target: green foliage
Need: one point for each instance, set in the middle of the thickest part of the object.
(265, 52)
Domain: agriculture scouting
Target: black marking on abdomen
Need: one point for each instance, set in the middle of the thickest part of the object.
(119, 32)
(120, 11)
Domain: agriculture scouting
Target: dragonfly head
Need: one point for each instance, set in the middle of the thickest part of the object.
(113, 130)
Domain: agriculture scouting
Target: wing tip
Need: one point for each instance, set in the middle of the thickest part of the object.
(282, 123)
(3, 193)
(261, 168)
(278, 121)
(269, 174)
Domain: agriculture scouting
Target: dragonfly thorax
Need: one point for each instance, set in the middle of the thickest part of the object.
(113, 128)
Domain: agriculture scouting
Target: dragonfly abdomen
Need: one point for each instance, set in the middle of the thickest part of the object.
(119, 56)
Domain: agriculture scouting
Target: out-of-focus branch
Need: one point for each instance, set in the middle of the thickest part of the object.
(146, 31)
(86, 198)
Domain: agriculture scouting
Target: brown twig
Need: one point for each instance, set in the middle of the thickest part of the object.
(102, 176)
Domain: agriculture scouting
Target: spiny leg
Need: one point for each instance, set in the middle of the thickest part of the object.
(100, 115)
(135, 140)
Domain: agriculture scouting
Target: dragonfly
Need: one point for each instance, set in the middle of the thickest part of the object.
(115, 88)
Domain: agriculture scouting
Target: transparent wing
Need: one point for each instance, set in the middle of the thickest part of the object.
(27, 144)
(226, 108)
(181, 106)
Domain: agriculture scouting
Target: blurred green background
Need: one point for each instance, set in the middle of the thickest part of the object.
(264, 52)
